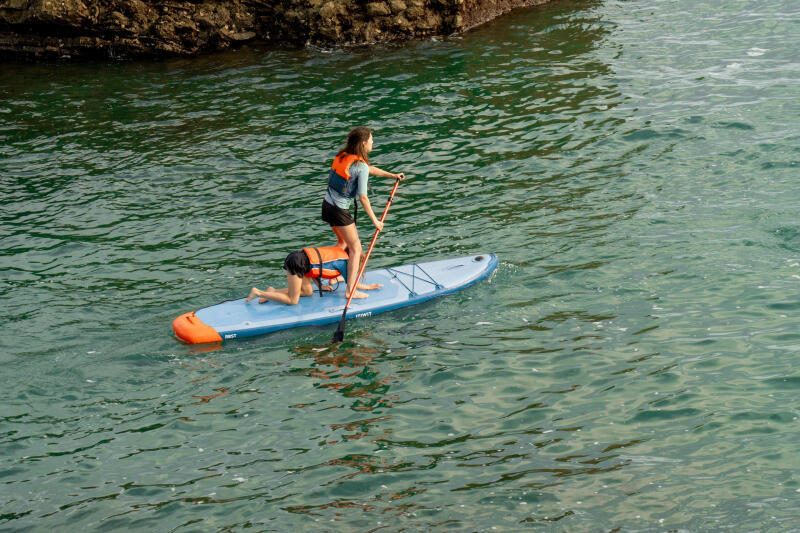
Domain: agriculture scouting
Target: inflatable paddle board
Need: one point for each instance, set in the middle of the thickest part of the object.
(402, 286)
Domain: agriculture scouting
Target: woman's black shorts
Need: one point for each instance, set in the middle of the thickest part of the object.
(336, 216)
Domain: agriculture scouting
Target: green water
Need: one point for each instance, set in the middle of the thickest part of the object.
(631, 366)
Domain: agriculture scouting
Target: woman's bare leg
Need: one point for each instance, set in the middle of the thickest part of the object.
(340, 243)
(349, 235)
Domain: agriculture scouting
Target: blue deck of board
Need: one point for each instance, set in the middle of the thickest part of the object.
(402, 286)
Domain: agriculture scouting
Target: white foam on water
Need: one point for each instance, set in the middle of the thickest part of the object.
(755, 52)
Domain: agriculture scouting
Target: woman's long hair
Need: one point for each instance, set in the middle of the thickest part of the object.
(355, 143)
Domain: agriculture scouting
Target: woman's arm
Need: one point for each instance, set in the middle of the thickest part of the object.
(368, 210)
(375, 171)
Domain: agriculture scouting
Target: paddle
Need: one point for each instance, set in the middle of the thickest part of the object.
(338, 335)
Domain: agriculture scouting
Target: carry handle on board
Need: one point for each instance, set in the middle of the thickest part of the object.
(338, 335)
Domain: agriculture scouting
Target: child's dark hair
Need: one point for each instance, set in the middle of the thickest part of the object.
(297, 263)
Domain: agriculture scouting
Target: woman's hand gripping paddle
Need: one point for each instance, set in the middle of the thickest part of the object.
(338, 336)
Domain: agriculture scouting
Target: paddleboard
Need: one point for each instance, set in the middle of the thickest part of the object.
(402, 286)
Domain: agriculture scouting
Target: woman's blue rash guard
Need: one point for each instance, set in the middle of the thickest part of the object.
(358, 170)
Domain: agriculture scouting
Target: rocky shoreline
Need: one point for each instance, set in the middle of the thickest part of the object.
(136, 28)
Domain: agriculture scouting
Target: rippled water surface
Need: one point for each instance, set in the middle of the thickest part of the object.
(631, 366)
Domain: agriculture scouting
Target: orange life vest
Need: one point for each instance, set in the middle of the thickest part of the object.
(339, 176)
(327, 262)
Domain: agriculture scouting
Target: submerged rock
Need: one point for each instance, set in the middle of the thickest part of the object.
(128, 28)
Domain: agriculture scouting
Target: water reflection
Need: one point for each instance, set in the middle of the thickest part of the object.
(335, 365)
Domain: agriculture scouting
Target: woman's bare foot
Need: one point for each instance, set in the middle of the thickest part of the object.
(370, 287)
(253, 293)
(357, 294)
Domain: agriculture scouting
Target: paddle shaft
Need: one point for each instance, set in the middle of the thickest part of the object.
(340, 332)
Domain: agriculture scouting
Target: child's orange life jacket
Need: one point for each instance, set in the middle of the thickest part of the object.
(327, 262)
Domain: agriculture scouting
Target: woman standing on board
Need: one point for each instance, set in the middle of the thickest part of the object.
(347, 180)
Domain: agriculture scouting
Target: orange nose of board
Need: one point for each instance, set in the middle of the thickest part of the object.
(190, 329)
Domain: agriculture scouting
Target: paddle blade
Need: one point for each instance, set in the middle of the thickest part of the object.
(338, 335)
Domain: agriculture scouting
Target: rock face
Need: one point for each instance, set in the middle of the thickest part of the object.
(128, 28)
